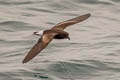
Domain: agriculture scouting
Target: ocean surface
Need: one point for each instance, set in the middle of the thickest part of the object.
(93, 53)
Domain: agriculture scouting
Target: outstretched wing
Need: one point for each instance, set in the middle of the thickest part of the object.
(39, 46)
(63, 25)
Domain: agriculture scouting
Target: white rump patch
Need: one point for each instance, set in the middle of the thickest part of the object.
(40, 32)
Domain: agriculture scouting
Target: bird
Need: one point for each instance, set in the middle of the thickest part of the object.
(56, 32)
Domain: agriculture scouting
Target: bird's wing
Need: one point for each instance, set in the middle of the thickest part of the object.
(39, 46)
(63, 25)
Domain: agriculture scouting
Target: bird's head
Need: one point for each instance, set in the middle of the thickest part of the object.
(40, 33)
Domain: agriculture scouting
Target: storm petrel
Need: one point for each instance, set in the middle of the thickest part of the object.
(56, 32)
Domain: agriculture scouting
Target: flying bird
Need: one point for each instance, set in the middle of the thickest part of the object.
(56, 32)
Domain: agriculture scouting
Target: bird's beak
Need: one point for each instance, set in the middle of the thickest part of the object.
(68, 37)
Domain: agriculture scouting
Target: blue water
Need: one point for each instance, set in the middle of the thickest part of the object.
(93, 53)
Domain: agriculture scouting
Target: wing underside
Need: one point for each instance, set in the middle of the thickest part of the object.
(38, 47)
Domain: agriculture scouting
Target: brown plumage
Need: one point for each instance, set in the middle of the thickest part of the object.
(57, 32)
(63, 25)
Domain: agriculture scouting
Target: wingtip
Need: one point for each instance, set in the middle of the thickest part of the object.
(88, 14)
(24, 61)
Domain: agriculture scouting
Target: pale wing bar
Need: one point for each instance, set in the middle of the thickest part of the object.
(67, 23)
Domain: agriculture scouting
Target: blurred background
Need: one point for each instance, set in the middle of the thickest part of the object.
(93, 53)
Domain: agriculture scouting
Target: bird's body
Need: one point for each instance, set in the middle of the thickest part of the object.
(56, 32)
(60, 34)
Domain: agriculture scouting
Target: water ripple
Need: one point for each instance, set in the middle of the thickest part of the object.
(91, 54)
(16, 3)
